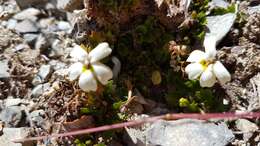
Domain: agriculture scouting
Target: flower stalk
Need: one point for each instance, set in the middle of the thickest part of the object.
(173, 116)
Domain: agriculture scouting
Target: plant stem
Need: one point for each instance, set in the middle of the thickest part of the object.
(147, 120)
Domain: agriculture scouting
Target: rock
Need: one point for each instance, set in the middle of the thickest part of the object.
(246, 126)
(37, 118)
(37, 80)
(11, 116)
(42, 43)
(21, 47)
(30, 38)
(57, 48)
(43, 75)
(64, 26)
(255, 9)
(10, 134)
(11, 23)
(40, 89)
(12, 102)
(45, 71)
(219, 26)
(7, 9)
(30, 13)
(69, 5)
(23, 4)
(57, 64)
(187, 132)
(4, 69)
(46, 22)
(184, 132)
(26, 26)
(136, 135)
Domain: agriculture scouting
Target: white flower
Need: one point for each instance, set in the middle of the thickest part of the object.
(204, 68)
(88, 68)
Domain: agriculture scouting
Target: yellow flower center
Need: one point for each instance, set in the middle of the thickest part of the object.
(204, 63)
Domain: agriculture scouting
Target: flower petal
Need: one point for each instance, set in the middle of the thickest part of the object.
(102, 72)
(207, 78)
(79, 54)
(194, 70)
(75, 70)
(210, 47)
(221, 72)
(87, 81)
(101, 51)
(196, 56)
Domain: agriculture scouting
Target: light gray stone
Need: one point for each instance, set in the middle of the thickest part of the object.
(187, 132)
(26, 26)
(37, 117)
(42, 75)
(63, 25)
(42, 43)
(246, 126)
(10, 134)
(4, 69)
(45, 71)
(57, 48)
(69, 5)
(21, 47)
(255, 9)
(46, 22)
(30, 13)
(40, 89)
(12, 101)
(11, 23)
(184, 132)
(11, 116)
(30, 38)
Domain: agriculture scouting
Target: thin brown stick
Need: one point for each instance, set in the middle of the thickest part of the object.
(147, 120)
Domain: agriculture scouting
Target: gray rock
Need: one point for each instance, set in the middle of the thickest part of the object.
(57, 48)
(219, 26)
(43, 74)
(46, 22)
(246, 126)
(40, 89)
(30, 13)
(30, 38)
(11, 23)
(12, 101)
(23, 4)
(184, 132)
(63, 25)
(45, 71)
(10, 134)
(4, 69)
(255, 9)
(42, 43)
(26, 26)
(69, 5)
(37, 117)
(57, 64)
(11, 116)
(21, 47)
(187, 132)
